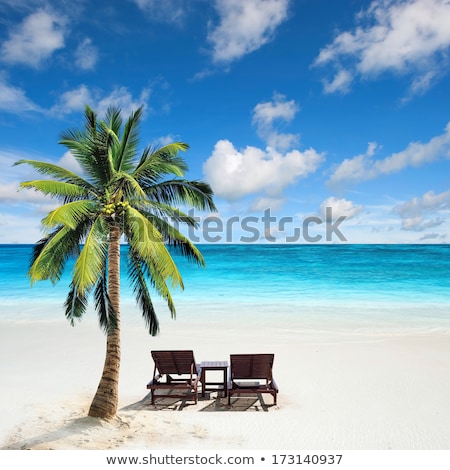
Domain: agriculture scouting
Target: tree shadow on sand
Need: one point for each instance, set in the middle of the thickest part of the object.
(76, 430)
(84, 432)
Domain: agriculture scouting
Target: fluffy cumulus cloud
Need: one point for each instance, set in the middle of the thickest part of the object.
(425, 212)
(244, 26)
(401, 36)
(35, 39)
(364, 167)
(234, 173)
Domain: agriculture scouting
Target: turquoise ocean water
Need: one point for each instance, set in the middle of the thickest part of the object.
(408, 282)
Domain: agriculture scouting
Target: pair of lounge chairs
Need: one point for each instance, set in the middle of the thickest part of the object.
(177, 371)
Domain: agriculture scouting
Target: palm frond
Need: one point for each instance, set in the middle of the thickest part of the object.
(155, 164)
(106, 314)
(167, 212)
(113, 119)
(51, 253)
(75, 305)
(130, 187)
(91, 121)
(92, 259)
(146, 240)
(58, 189)
(169, 151)
(69, 215)
(176, 239)
(140, 288)
(90, 148)
(129, 142)
(57, 172)
(195, 194)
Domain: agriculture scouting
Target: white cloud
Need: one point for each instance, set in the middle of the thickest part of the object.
(68, 161)
(339, 208)
(165, 140)
(73, 100)
(10, 179)
(364, 167)
(121, 96)
(434, 236)
(265, 115)
(406, 37)
(35, 40)
(168, 11)
(245, 26)
(234, 174)
(22, 210)
(414, 213)
(263, 203)
(77, 99)
(86, 55)
(14, 99)
(341, 82)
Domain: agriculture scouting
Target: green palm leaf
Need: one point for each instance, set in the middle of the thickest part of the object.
(139, 283)
(107, 316)
(129, 143)
(56, 189)
(58, 173)
(190, 193)
(75, 305)
(51, 254)
(155, 164)
(92, 259)
(70, 215)
(148, 243)
(176, 239)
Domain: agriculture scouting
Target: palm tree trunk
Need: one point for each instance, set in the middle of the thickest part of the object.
(105, 401)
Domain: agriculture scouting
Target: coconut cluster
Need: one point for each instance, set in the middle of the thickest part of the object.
(115, 208)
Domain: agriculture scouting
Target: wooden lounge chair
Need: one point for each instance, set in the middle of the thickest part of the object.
(251, 373)
(174, 371)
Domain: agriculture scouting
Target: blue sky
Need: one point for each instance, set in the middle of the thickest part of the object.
(292, 106)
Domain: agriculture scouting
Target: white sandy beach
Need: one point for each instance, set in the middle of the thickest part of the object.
(340, 388)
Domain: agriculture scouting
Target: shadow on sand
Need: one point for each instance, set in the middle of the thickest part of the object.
(205, 404)
(89, 433)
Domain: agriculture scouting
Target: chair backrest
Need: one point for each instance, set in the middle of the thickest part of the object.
(174, 362)
(251, 366)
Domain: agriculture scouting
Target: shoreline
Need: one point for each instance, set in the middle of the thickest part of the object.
(339, 389)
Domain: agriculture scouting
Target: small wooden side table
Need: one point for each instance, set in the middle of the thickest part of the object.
(214, 365)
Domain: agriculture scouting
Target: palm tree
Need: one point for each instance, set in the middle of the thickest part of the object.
(119, 193)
